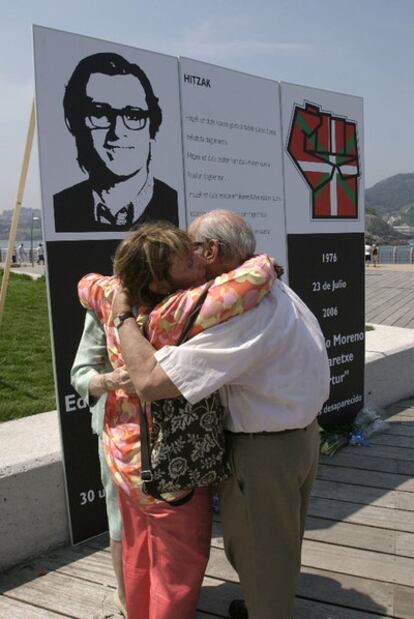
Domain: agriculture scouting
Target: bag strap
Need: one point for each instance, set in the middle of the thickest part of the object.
(147, 476)
(194, 313)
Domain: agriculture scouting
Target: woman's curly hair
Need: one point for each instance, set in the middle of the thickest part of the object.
(145, 257)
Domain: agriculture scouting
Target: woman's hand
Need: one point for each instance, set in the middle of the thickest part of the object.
(103, 383)
(119, 379)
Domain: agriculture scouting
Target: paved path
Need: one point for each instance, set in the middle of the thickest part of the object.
(358, 553)
(34, 271)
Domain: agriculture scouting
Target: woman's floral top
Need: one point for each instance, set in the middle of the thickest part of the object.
(230, 294)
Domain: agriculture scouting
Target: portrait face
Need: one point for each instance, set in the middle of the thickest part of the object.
(184, 272)
(117, 117)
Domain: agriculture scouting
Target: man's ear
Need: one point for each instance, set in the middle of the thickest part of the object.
(211, 251)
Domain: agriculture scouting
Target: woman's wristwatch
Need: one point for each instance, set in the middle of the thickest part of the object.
(120, 319)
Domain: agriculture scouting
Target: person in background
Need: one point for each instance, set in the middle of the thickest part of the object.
(374, 254)
(367, 254)
(21, 253)
(40, 254)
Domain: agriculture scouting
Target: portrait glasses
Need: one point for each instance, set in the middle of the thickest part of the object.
(101, 116)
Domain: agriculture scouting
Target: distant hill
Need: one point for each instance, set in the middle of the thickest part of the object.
(389, 195)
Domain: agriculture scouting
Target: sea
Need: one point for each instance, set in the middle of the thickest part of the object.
(388, 254)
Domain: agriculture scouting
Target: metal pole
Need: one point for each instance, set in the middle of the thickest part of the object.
(17, 207)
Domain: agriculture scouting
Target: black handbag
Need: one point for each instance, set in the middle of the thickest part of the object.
(186, 448)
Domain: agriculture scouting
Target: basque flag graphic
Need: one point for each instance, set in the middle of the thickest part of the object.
(325, 150)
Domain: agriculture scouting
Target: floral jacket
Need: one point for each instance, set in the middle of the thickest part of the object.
(230, 294)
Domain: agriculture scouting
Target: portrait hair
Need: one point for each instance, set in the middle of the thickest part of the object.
(145, 257)
(75, 101)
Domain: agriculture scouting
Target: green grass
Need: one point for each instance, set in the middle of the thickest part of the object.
(26, 373)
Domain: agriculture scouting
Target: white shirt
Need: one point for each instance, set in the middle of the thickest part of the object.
(270, 363)
(119, 199)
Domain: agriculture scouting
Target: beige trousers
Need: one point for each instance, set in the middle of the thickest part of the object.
(263, 509)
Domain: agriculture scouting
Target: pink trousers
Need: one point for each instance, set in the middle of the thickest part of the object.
(165, 552)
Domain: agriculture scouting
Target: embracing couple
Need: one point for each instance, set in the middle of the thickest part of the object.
(257, 344)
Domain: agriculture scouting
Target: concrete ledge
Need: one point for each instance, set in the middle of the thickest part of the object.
(389, 363)
(33, 517)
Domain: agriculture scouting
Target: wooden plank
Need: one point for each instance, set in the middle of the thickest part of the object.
(403, 602)
(217, 593)
(352, 561)
(402, 308)
(392, 440)
(306, 609)
(383, 311)
(13, 609)
(387, 481)
(63, 594)
(383, 518)
(364, 495)
(352, 458)
(95, 567)
(395, 309)
(219, 567)
(408, 319)
(361, 563)
(399, 428)
(404, 544)
(318, 585)
(355, 536)
(383, 451)
(347, 591)
(221, 593)
(347, 534)
(405, 410)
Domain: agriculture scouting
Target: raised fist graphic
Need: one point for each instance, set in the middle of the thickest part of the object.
(325, 150)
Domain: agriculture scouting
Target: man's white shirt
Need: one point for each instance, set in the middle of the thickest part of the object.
(270, 365)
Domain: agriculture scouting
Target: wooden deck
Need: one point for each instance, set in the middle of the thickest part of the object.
(358, 554)
(390, 295)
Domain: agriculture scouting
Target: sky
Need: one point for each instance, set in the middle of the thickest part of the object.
(358, 47)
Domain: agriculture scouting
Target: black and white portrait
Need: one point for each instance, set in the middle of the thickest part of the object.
(109, 132)
(114, 115)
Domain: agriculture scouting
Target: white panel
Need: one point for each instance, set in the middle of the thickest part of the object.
(232, 149)
(323, 173)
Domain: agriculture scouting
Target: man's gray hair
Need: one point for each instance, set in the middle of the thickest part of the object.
(235, 236)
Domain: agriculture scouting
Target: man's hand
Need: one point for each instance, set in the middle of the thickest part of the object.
(149, 379)
(121, 303)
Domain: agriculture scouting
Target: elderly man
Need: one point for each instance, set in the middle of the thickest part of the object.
(272, 369)
(114, 115)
